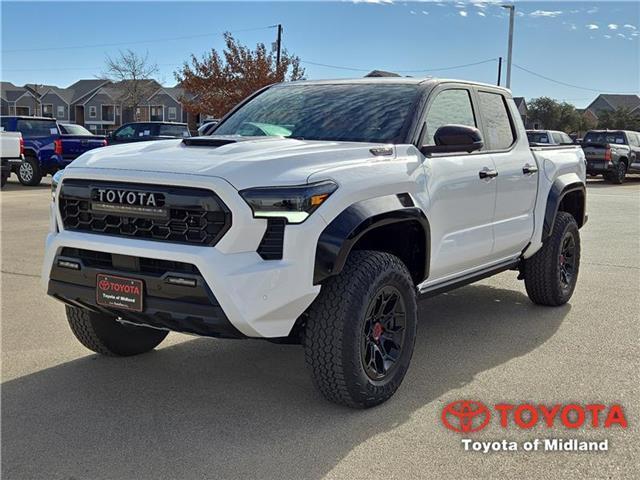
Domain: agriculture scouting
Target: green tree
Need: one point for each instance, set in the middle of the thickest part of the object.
(554, 115)
(619, 119)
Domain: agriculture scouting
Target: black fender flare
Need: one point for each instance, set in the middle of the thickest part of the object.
(560, 188)
(338, 238)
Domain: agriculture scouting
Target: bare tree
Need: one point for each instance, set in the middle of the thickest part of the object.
(134, 75)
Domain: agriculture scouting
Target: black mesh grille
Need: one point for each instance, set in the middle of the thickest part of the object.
(270, 247)
(193, 216)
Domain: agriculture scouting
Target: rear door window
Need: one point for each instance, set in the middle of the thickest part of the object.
(557, 138)
(496, 121)
(174, 131)
(145, 130)
(36, 128)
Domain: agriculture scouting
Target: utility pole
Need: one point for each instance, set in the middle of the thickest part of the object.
(278, 44)
(512, 14)
(499, 70)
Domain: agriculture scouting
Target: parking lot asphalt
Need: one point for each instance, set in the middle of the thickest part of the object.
(206, 408)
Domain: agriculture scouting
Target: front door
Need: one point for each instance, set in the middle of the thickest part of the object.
(462, 192)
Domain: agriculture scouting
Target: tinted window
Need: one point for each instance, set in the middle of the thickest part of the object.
(353, 112)
(449, 107)
(125, 132)
(174, 131)
(36, 128)
(537, 137)
(496, 121)
(74, 129)
(145, 130)
(604, 137)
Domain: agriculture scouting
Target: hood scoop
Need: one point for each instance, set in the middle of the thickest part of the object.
(207, 141)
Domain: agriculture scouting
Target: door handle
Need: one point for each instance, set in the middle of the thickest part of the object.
(486, 173)
(529, 169)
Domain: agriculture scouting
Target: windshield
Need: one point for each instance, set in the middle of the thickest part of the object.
(75, 129)
(604, 137)
(538, 137)
(353, 113)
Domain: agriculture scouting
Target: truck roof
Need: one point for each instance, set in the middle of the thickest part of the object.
(29, 117)
(430, 81)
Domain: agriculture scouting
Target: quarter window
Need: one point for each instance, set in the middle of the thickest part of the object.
(496, 121)
(449, 107)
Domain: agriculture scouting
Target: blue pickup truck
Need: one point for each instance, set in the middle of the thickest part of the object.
(47, 148)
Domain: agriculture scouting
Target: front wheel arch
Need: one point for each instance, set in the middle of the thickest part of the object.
(391, 224)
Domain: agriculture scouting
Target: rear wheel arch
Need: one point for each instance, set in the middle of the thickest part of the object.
(390, 224)
(567, 197)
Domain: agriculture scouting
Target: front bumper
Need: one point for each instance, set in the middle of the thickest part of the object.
(258, 298)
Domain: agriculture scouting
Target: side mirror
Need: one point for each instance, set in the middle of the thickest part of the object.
(454, 138)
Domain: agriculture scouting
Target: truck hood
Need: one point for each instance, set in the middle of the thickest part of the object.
(248, 162)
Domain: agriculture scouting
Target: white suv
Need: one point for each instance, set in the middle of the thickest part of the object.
(318, 213)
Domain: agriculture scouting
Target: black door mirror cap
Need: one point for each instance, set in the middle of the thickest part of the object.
(454, 138)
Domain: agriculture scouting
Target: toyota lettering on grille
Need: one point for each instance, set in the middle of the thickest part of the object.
(128, 202)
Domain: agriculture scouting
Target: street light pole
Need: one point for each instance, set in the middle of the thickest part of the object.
(512, 14)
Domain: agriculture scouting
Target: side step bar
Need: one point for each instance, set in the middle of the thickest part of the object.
(438, 288)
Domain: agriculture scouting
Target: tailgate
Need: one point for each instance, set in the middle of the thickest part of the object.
(594, 151)
(74, 146)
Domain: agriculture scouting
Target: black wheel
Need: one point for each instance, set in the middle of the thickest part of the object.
(29, 172)
(360, 331)
(550, 276)
(620, 173)
(107, 336)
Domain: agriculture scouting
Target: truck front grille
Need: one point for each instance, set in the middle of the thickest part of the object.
(185, 215)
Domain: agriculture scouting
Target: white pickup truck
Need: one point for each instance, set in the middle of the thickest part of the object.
(11, 153)
(318, 213)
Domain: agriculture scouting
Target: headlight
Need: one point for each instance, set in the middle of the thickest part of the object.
(55, 180)
(294, 203)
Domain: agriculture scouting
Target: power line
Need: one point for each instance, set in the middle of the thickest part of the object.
(301, 61)
(355, 69)
(559, 82)
(121, 44)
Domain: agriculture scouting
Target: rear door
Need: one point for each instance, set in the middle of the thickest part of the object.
(462, 198)
(517, 180)
(634, 144)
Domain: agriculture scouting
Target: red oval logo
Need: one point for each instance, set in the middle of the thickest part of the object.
(465, 416)
(104, 285)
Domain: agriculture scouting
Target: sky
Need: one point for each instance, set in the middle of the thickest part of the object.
(582, 48)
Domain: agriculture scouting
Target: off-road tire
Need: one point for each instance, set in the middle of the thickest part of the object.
(334, 327)
(542, 272)
(106, 336)
(29, 172)
(618, 176)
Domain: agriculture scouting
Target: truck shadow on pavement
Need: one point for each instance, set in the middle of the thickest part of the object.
(244, 409)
